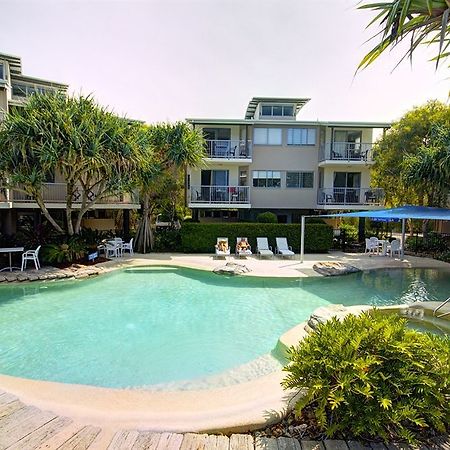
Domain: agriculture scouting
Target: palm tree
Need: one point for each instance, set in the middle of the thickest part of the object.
(169, 150)
(421, 21)
(91, 149)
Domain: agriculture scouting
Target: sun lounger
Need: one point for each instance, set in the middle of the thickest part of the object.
(263, 248)
(283, 249)
(242, 252)
(222, 247)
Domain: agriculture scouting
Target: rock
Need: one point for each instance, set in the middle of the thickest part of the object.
(231, 269)
(325, 313)
(333, 269)
(80, 275)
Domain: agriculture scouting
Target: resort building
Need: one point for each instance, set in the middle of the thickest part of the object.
(15, 206)
(270, 161)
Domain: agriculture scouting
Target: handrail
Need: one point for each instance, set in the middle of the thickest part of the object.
(439, 307)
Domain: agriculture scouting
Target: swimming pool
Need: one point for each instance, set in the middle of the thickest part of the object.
(165, 327)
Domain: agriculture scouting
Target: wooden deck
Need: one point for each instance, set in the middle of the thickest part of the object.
(24, 427)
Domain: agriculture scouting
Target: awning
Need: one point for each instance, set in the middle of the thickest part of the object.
(402, 213)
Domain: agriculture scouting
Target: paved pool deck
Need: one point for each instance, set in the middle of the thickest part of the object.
(101, 418)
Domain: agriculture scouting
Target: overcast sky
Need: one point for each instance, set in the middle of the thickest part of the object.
(159, 60)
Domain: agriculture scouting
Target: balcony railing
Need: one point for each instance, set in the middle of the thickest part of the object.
(346, 151)
(57, 193)
(233, 195)
(229, 149)
(350, 196)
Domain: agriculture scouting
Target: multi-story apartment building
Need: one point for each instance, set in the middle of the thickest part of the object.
(270, 161)
(15, 206)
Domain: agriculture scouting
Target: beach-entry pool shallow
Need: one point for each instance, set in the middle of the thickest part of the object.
(158, 326)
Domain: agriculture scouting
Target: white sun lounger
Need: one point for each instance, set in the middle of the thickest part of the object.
(240, 253)
(263, 248)
(220, 252)
(283, 249)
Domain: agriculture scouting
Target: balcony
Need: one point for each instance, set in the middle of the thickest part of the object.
(55, 194)
(346, 152)
(350, 197)
(229, 150)
(219, 196)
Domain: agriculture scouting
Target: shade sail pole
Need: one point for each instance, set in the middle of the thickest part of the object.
(403, 237)
(302, 239)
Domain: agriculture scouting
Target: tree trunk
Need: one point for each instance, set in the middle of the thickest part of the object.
(47, 215)
(69, 200)
(144, 233)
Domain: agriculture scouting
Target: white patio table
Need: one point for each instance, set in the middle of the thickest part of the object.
(10, 251)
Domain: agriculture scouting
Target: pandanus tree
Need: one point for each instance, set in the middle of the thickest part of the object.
(170, 149)
(90, 149)
(419, 21)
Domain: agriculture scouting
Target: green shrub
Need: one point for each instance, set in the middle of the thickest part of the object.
(371, 376)
(434, 242)
(202, 237)
(351, 232)
(72, 249)
(167, 241)
(267, 217)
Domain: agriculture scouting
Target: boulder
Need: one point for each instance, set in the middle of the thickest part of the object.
(325, 313)
(332, 269)
(231, 269)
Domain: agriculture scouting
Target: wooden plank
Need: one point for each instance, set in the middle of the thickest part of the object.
(123, 440)
(42, 434)
(81, 440)
(9, 408)
(312, 445)
(192, 441)
(6, 398)
(13, 419)
(147, 440)
(335, 444)
(355, 445)
(216, 442)
(25, 427)
(102, 440)
(241, 442)
(265, 443)
(285, 443)
(170, 441)
(61, 437)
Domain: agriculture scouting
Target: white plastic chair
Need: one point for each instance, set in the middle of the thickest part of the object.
(113, 248)
(221, 252)
(371, 245)
(128, 246)
(241, 252)
(283, 249)
(31, 255)
(395, 247)
(263, 248)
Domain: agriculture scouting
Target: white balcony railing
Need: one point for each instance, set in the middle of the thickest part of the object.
(229, 149)
(57, 193)
(350, 196)
(220, 194)
(346, 151)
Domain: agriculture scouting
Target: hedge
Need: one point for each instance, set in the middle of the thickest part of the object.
(202, 237)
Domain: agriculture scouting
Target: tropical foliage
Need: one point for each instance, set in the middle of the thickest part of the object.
(411, 159)
(419, 21)
(91, 149)
(372, 376)
(170, 149)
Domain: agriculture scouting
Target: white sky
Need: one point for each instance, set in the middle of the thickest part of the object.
(158, 60)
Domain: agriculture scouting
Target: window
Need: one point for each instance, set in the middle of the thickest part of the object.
(266, 178)
(267, 136)
(2, 72)
(24, 90)
(299, 179)
(277, 110)
(301, 136)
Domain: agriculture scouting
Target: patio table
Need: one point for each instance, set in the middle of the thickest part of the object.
(10, 251)
(383, 246)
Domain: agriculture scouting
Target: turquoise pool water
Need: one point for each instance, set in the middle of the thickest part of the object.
(161, 325)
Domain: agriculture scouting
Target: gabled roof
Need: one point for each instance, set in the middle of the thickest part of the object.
(253, 103)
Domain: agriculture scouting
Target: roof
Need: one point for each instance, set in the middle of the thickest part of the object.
(253, 103)
(34, 80)
(402, 212)
(15, 63)
(312, 123)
